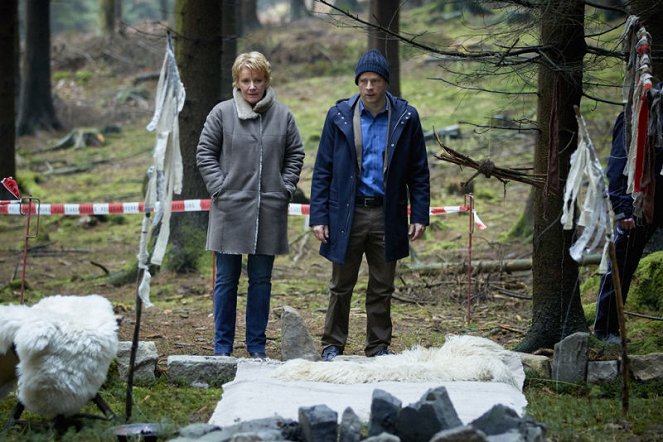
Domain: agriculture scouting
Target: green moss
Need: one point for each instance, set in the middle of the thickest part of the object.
(590, 313)
(645, 290)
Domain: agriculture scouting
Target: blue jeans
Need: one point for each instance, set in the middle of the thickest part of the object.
(228, 270)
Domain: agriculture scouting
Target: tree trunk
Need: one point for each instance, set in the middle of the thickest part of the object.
(385, 13)
(198, 52)
(107, 11)
(556, 307)
(249, 13)
(650, 12)
(229, 30)
(36, 102)
(297, 10)
(8, 67)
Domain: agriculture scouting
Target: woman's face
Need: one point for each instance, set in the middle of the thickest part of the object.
(252, 85)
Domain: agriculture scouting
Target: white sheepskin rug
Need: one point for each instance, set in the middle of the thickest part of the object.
(64, 345)
(461, 358)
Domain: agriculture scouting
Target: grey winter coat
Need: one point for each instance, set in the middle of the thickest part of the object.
(250, 160)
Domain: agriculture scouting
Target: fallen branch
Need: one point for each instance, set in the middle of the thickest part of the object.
(105, 270)
(641, 315)
(481, 266)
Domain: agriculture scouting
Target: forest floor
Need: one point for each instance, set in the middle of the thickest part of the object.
(102, 86)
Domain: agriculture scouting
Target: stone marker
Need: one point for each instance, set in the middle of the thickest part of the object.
(647, 367)
(569, 362)
(145, 365)
(296, 341)
(211, 370)
(602, 371)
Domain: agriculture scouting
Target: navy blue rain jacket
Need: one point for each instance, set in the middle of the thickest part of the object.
(622, 202)
(335, 177)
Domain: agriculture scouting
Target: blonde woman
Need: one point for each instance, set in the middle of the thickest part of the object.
(250, 156)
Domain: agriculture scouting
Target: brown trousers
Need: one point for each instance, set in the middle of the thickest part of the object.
(366, 237)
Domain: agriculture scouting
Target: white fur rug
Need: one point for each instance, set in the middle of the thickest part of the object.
(64, 345)
(461, 358)
(490, 375)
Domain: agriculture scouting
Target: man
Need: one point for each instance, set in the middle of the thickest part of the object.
(370, 162)
(631, 233)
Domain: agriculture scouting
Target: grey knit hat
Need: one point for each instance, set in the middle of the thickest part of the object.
(372, 61)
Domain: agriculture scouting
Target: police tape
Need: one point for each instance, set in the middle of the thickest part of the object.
(197, 205)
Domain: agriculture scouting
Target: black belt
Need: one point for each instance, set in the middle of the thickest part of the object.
(368, 201)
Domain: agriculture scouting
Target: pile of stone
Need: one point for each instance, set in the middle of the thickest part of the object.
(433, 418)
(570, 363)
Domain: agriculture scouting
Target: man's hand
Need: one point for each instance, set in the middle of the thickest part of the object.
(416, 231)
(626, 223)
(321, 232)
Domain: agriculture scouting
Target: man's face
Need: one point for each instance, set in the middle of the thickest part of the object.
(252, 85)
(372, 88)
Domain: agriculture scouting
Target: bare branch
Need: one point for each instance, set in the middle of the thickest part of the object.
(601, 100)
(480, 89)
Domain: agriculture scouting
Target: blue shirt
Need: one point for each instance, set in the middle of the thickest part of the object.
(374, 142)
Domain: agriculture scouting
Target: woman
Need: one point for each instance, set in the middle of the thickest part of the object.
(250, 156)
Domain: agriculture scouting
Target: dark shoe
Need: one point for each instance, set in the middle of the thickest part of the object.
(382, 352)
(330, 352)
(257, 355)
(222, 354)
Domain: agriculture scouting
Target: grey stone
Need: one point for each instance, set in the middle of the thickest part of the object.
(350, 428)
(570, 358)
(318, 423)
(212, 370)
(383, 437)
(432, 414)
(197, 430)
(465, 433)
(537, 364)
(445, 408)
(296, 341)
(602, 371)
(384, 410)
(145, 365)
(647, 367)
(287, 429)
(509, 436)
(264, 435)
(499, 419)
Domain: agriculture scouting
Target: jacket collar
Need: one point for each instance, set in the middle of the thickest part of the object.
(244, 109)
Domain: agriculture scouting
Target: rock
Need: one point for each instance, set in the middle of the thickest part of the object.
(197, 430)
(499, 419)
(465, 433)
(537, 364)
(318, 423)
(647, 367)
(383, 437)
(212, 370)
(350, 428)
(602, 371)
(570, 358)
(145, 365)
(296, 342)
(384, 410)
(432, 414)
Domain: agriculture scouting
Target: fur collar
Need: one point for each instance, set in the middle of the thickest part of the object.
(244, 109)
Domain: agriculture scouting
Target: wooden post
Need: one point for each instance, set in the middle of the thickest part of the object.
(616, 282)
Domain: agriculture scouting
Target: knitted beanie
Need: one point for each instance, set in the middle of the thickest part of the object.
(372, 61)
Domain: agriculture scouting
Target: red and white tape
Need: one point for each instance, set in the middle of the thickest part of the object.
(198, 205)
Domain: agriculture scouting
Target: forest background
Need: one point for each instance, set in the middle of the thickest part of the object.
(103, 85)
